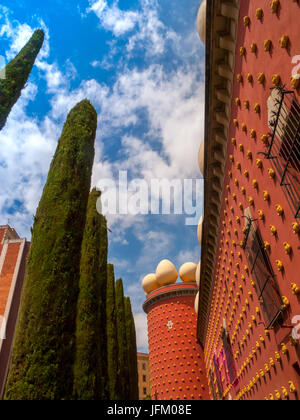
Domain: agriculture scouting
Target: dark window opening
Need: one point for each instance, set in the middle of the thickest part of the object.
(229, 356)
(144, 378)
(211, 380)
(262, 273)
(284, 148)
(218, 377)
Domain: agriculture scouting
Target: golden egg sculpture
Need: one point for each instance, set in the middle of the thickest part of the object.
(150, 283)
(201, 158)
(197, 303)
(200, 230)
(198, 273)
(201, 21)
(166, 273)
(187, 272)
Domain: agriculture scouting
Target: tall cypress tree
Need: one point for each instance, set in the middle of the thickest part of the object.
(102, 305)
(17, 73)
(112, 336)
(122, 341)
(132, 351)
(89, 370)
(44, 350)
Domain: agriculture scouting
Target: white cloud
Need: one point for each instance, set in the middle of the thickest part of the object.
(27, 146)
(112, 18)
(141, 328)
(188, 256)
(144, 28)
(54, 78)
(95, 63)
(174, 105)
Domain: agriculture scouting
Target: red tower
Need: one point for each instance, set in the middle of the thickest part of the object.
(176, 359)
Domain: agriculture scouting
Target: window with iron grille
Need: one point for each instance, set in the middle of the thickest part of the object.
(284, 146)
(211, 381)
(262, 273)
(218, 377)
(229, 356)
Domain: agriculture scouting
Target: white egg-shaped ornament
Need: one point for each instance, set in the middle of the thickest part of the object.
(200, 230)
(197, 303)
(187, 272)
(166, 273)
(198, 274)
(201, 21)
(201, 158)
(150, 283)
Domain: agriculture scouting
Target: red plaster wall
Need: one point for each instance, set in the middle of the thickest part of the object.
(2, 233)
(176, 359)
(230, 289)
(12, 314)
(7, 273)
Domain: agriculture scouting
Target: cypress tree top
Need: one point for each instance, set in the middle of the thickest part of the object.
(17, 73)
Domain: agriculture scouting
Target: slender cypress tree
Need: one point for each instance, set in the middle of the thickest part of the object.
(89, 371)
(132, 351)
(44, 348)
(112, 336)
(17, 73)
(122, 341)
(102, 306)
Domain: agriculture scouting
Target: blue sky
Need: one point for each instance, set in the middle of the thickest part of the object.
(141, 64)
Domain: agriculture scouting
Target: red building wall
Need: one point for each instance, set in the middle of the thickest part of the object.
(235, 298)
(13, 253)
(176, 359)
(7, 273)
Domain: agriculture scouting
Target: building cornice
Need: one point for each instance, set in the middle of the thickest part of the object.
(167, 292)
(221, 35)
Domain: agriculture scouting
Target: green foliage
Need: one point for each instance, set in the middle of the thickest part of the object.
(132, 352)
(102, 304)
(89, 371)
(122, 342)
(16, 75)
(112, 336)
(44, 348)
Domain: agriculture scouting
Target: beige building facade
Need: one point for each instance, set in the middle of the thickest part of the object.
(144, 375)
